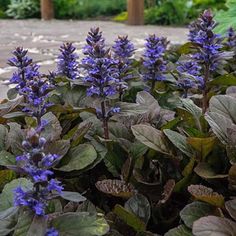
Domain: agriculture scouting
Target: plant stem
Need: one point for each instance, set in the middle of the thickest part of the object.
(205, 90)
(105, 120)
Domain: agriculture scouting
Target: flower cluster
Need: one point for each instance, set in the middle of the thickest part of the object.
(36, 164)
(189, 75)
(67, 62)
(208, 43)
(153, 62)
(123, 51)
(100, 68)
(30, 83)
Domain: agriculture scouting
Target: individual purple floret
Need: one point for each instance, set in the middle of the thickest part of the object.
(153, 59)
(36, 165)
(231, 38)
(67, 64)
(123, 51)
(52, 232)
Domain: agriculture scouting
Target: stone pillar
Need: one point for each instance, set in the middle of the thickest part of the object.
(47, 11)
(135, 12)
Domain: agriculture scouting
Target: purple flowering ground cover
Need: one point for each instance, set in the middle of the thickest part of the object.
(108, 144)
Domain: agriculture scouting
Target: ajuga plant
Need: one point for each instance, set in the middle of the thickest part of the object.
(209, 54)
(101, 75)
(168, 161)
(154, 64)
(123, 51)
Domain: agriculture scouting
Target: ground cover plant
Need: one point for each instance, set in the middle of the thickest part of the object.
(111, 144)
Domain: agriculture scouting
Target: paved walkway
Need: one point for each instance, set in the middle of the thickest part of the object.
(43, 39)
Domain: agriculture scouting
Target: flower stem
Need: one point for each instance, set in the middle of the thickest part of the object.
(205, 90)
(105, 120)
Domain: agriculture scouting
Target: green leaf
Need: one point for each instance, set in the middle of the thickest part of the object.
(213, 225)
(139, 206)
(6, 158)
(227, 80)
(203, 145)
(23, 224)
(15, 138)
(224, 105)
(181, 230)
(6, 176)
(129, 109)
(78, 158)
(179, 141)
(12, 93)
(231, 208)
(129, 218)
(205, 171)
(195, 211)
(38, 226)
(202, 193)
(8, 220)
(72, 196)
(186, 48)
(151, 137)
(220, 125)
(80, 223)
(52, 130)
(147, 100)
(6, 197)
(3, 137)
(226, 18)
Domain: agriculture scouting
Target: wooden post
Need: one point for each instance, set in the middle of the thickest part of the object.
(135, 12)
(47, 11)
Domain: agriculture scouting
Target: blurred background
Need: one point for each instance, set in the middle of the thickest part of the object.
(158, 12)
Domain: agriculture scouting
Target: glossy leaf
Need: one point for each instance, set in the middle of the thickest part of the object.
(181, 230)
(205, 171)
(80, 223)
(195, 211)
(139, 206)
(213, 225)
(179, 141)
(72, 196)
(151, 137)
(205, 194)
(115, 187)
(203, 145)
(78, 158)
(231, 208)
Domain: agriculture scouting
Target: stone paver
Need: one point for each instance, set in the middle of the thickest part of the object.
(43, 38)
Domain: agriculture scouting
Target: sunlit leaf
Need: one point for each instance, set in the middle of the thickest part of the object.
(115, 187)
(213, 225)
(205, 194)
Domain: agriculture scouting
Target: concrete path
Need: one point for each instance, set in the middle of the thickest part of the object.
(43, 39)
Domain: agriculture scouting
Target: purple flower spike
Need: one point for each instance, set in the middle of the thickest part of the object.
(100, 68)
(153, 58)
(67, 62)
